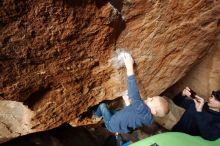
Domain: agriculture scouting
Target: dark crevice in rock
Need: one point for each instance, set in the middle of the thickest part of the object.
(36, 96)
(1, 3)
(82, 3)
(6, 40)
(100, 3)
(2, 24)
(218, 22)
(118, 24)
(93, 135)
(64, 135)
(7, 126)
(117, 4)
(33, 33)
(15, 9)
(1, 95)
(113, 105)
(5, 58)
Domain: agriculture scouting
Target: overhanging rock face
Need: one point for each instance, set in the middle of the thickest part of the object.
(204, 77)
(60, 57)
(167, 38)
(50, 55)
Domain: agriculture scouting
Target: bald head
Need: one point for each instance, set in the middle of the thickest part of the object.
(158, 105)
(163, 107)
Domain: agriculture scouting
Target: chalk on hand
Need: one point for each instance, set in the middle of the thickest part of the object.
(123, 55)
(118, 58)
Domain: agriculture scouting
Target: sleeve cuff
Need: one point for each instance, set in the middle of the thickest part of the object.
(131, 77)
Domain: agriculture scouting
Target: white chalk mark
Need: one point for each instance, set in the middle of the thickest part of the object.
(117, 60)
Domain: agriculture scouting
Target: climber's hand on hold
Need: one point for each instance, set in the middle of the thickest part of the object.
(128, 60)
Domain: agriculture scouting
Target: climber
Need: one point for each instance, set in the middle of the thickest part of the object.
(200, 118)
(137, 113)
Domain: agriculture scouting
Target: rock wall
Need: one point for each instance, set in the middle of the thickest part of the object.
(203, 78)
(15, 120)
(48, 52)
(168, 38)
(60, 57)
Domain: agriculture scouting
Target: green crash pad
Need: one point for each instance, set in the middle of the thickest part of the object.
(175, 139)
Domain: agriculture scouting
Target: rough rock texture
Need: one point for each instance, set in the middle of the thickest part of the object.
(168, 37)
(15, 120)
(203, 78)
(48, 52)
(60, 58)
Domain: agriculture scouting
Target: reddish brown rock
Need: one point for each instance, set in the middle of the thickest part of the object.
(59, 57)
(204, 77)
(48, 51)
(167, 38)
